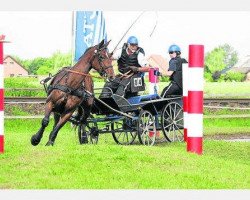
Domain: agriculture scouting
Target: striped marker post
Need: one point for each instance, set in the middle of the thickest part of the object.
(195, 98)
(2, 37)
(185, 98)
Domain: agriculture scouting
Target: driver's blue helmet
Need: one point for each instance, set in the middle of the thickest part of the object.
(175, 48)
(132, 40)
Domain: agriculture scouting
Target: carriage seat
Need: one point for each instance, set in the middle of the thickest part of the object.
(138, 99)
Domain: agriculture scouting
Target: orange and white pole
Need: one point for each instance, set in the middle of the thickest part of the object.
(195, 99)
(2, 37)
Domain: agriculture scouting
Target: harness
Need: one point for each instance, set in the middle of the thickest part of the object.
(79, 92)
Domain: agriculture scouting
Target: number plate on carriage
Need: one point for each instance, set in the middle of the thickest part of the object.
(137, 83)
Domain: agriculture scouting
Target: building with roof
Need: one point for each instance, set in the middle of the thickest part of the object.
(159, 62)
(243, 66)
(13, 68)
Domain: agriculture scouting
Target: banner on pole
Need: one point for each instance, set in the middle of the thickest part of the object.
(90, 30)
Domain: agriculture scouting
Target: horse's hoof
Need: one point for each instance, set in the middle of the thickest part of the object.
(49, 143)
(34, 141)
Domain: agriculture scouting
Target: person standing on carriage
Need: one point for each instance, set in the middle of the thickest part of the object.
(130, 59)
(174, 72)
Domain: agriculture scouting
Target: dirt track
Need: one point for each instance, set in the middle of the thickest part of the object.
(228, 136)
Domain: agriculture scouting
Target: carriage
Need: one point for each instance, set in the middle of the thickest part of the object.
(126, 118)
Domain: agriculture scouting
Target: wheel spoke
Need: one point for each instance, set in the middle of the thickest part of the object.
(174, 111)
(147, 125)
(179, 120)
(167, 113)
(178, 113)
(181, 135)
(165, 127)
(173, 133)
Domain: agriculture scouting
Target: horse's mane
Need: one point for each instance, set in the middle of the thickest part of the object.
(84, 53)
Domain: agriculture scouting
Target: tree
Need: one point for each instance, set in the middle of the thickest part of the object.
(60, 60)
(231, 56)
(43, 66)
(35, 64)
(223, 56)
(214, 60)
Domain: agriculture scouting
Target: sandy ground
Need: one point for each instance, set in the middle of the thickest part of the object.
(233, 137)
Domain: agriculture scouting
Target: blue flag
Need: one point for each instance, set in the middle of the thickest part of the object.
(90, 30)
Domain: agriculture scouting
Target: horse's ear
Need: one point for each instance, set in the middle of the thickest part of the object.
(101, 44)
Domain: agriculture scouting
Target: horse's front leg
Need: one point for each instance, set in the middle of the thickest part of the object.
(64, 118)
(36, 138)
(83, 138)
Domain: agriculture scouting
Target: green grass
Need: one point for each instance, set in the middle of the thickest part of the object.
(68, 165)
(211, 89)
(226, 126)
(22, 82)
(236, 88)
(11, 84)
(24, 93)
(233, 89)
(209, 111)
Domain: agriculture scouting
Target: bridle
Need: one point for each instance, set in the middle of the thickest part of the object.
(100, 59)
(102, 72)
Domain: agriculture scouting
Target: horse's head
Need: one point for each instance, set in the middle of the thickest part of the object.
(102, 60)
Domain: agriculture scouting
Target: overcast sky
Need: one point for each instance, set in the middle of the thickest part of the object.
(34, 34)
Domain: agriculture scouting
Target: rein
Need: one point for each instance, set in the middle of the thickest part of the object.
(83, 74)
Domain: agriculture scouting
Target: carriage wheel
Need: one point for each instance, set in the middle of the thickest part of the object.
(91, 130)
(123, 131)
(146, 128)
(172, 122)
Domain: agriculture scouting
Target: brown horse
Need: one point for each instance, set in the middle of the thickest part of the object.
(72, 87)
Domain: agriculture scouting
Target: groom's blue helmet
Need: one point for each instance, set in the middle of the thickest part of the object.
(132, 40)
(174, 48)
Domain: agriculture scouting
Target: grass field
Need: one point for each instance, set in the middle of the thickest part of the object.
(68, 165)
(211, 89)
(226, 126)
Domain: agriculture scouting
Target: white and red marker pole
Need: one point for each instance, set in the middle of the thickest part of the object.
(185, 98)
(2, 37)
(195, 99)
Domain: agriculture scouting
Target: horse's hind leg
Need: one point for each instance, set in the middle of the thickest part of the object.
(35, 139)
(64, 118)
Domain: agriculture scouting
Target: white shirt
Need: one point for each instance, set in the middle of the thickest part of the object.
(141, 58)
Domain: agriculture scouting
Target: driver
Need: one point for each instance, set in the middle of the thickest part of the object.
(131, 59)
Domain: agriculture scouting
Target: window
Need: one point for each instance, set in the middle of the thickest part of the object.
(12, 75)
(11, 62)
